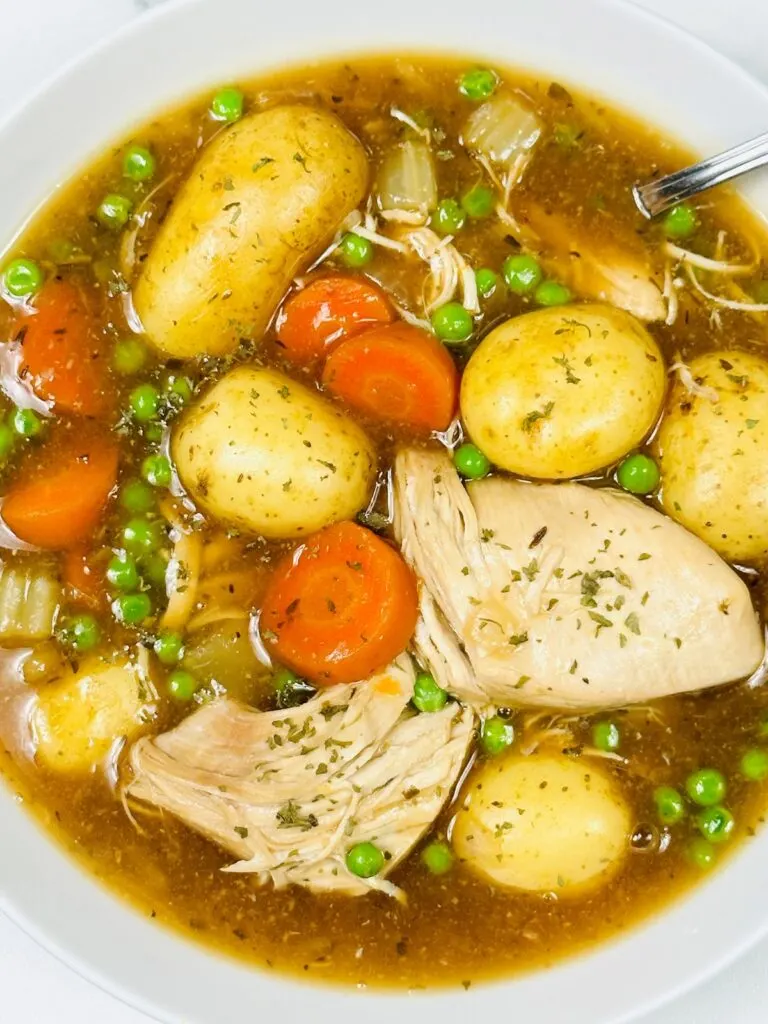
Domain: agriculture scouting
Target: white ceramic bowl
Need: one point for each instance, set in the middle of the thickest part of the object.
(633, 60)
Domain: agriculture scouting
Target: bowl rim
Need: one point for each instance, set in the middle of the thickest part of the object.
(33, 916)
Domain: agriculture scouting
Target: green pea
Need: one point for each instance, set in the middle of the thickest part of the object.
(567, 135)
(522, 273)
(479, 201)
(132, 609)
(62, 251)
(227, 104)
(82, 632)
(364, 860)
(638, 474)
(681, 221)
(156, 470)
(182, 685)
(114, 211)
(449, 217)
(471, 462)
(138, 163)
(452, 322)
(7, 440)
(487, 281)
(706, 787)
(154, 568)
(122, 572)
(25, 422)
(290, 690)
(427, 695)
(715, 823)
(136, 497)
(145, 403)
(22, 278)
(754, 764)
(478, 84)
(496, 734)
(169, 647)
(354, 250)
(141, 537)
(437, 857)
(606, 735)
(552, 293)
(701, 853)
(670, 805)
(153, 432)
(129, 356)
(178, 389)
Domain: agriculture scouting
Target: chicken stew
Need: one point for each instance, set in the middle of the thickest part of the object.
(383, 523)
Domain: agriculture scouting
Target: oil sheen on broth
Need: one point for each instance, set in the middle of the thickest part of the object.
(479, 180)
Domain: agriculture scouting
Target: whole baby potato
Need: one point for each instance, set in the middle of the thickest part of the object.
(563, 392)
(267, 455)
(263, 200)
(543, 823)
(713, 450)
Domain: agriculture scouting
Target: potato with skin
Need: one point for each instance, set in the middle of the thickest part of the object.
(78, 718)
(263, 453)
(543, 823)
(262, 202)
(712, 447)
(563, 392)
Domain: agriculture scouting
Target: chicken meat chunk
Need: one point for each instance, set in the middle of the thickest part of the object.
(564, 595)
(288, 793)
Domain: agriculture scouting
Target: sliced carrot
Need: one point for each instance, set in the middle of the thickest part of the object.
(315, 319)
(61, 505)
(83, 579)
(342, 606)
(397, 373)
(63, 352)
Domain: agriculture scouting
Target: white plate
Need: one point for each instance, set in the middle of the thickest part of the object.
(633, 60)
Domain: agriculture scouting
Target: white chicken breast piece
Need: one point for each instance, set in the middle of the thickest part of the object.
(564, 595)
(289, 792)
(616, 272)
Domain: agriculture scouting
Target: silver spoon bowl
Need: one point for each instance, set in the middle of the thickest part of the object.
(659, 195)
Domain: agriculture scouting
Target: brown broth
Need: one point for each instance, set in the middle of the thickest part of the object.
(455, 928)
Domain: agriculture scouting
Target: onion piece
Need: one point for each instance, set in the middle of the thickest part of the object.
(407, 180)
(29, 603)
(14, 385)
(503, 131)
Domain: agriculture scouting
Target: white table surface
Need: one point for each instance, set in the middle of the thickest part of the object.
(36, 38)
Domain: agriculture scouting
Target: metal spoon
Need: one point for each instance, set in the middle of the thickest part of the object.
(657, 196)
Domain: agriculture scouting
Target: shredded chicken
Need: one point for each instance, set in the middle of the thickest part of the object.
(691, 385)
(448, 270)
(741, 305)
(289, 792)
(717, 266)
(563, 595)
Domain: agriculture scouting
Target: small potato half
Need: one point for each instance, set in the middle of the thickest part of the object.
(77, 719)
(713, 451)
(543, 824)
(563, 392)
(263, 200)
(265, 454)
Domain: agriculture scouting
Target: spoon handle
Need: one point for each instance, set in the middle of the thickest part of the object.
(657, 196)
